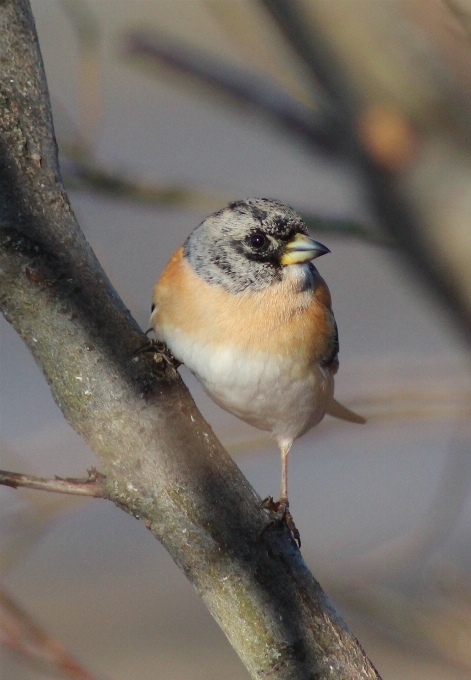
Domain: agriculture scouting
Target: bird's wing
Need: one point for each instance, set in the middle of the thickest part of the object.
(331, 358)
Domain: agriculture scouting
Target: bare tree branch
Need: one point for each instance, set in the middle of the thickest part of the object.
(162, 462)
(93, 485)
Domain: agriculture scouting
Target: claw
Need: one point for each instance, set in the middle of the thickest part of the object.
(269, 504)
(160, 348)
(288, 518)
(281, 508)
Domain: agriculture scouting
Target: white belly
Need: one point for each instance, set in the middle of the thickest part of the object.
(272, 393)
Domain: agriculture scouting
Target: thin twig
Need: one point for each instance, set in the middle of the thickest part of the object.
(93, 485)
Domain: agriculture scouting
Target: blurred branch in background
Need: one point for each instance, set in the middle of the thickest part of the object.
(258, 44)
(87, 174)
(23, 636)
(21, 532)
(461, 10)
(398, 66)
(157, 54)
(89, 85)
(244, 87)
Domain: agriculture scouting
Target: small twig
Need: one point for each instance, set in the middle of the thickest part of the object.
(93, 485)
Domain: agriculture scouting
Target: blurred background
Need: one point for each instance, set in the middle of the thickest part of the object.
(164, 111)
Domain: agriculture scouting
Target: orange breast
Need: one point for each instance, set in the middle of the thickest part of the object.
(278, 320)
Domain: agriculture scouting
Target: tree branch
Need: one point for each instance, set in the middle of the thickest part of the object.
(162, 462)
(93, 485)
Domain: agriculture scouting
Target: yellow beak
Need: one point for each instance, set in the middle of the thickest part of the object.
(302, 249)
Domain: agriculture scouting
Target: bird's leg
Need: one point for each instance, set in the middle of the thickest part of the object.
(281, 507)
(283, 503)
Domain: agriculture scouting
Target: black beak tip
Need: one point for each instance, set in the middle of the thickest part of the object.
(323, 250)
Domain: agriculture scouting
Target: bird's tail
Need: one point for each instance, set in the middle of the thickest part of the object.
(338, 411)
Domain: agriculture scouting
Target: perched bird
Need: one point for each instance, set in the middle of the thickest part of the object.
(243, 307)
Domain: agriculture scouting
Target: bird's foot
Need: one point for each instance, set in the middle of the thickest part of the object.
(281, 508)
(161, 352)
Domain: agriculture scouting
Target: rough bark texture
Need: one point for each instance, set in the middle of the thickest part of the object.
(162, 461)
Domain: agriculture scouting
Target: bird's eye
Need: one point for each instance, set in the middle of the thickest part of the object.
(258, 241)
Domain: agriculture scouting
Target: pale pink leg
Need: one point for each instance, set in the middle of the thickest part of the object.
(282, 506)
(284, 447)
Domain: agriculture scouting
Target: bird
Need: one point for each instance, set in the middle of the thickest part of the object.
(242, 305)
